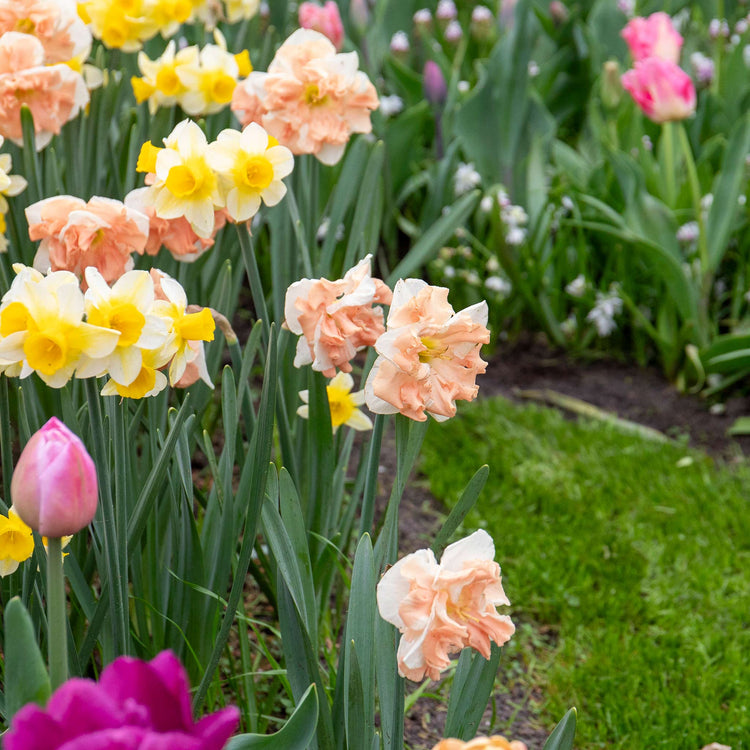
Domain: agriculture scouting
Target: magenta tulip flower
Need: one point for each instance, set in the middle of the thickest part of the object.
(135, 705)
(54, 488)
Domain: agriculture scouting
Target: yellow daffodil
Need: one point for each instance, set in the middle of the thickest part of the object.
(185, 327)
(251, 166)
(41, 326)
(148, 382)
(120, 24)
(10, 184)
(240, 10)
(210, 85)
(160, 83)
(16, 542)
(342, 404)
(185, 184)
(125, 307)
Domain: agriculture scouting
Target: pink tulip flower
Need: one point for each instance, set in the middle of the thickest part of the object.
(654, 36)
(325, 19)
(54, 488)
(661, 89)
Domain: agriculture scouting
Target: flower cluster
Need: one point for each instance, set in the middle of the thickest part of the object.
(43, 44)
(127, 25)
(428, 354)
(131, 330)
(192, 179)
(656, 82)
(442, 608)
(311, 99)
(134, 704)
(200, 81)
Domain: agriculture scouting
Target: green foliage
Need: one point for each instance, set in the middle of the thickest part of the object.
(626, 564)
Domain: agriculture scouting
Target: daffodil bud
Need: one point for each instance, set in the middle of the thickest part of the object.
(54, 488)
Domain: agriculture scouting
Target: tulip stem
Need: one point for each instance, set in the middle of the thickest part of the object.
(58, 630)
(669, 163)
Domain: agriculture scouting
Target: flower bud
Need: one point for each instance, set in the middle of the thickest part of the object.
(558, 12)
(446, 12)
(453, 32)
(400, 46)
(611, 86)
(482, 22)
(423, 20)
(433, 82)
(54, 488)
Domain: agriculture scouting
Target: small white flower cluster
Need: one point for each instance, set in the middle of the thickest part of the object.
(391, 105)
(703, 67)
(515, 219)
(602, 315)
(466, 178)
(577, 287)
(688, 233)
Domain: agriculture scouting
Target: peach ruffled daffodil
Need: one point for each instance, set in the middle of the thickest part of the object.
(16, 542)
(342, 403)
(42, 327)
(124, 307)
(252, 167)
(184, 182)
(428, 356)
(335, 319)
(495, 742)
(441, 608)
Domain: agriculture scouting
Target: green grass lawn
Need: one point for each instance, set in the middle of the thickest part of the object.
(628, 565)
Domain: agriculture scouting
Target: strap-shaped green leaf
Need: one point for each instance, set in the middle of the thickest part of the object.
(295, 735)
(564, 734)
(26, 679)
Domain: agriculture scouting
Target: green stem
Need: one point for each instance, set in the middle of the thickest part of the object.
(57, 638)
(253, 276)
(667, 144)
(706, 282)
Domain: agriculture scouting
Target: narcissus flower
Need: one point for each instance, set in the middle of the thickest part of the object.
(16, 542)
(654, 36)
(429, 355)
(135, 704)
(342, 404)
(661, 89)
(335, 319)
(10, 184)
(252, 167)
(42, 328)
(442, 608)
(184, 183)
(186, 328)
(54, 488)
(75, 234)
(160, 83)
(496, 742)
(55, 93)
(240, 10)
(55, 23)
(120, 24)
(311, 99)
(124, 307)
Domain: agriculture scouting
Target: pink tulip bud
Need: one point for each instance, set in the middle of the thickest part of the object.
(54, 488)
(433, 82)
(326, 19)
(654, 36)
(661, 89)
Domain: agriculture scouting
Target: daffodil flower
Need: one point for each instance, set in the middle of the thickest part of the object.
(342, 404)
(252, 166)
(16, 542)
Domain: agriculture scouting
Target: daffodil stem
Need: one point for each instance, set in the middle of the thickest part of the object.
(57, 639)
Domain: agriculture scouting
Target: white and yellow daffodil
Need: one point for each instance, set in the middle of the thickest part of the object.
(251, 165)
(342, 404)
